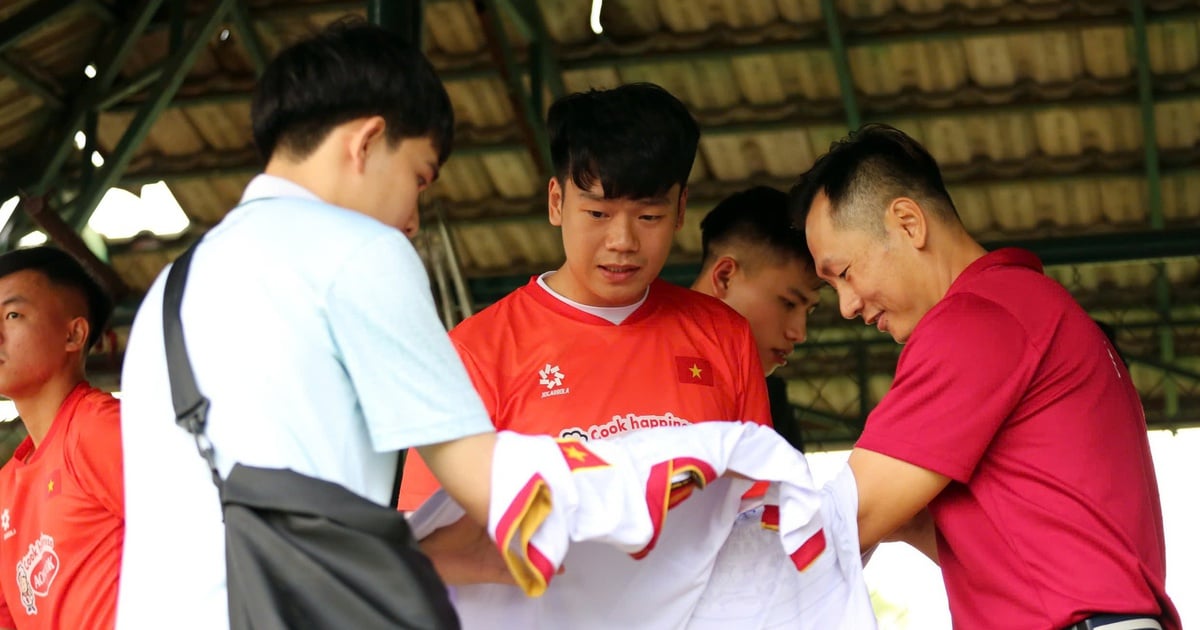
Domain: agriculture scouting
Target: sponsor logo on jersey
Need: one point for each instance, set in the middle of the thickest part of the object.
(551, 378)
(6, 524)
(36, 572)
(621, 424)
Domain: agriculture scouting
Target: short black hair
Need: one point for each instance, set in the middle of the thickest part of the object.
(637, 139)
(757, 219)
(866, 170)
(350, 70)
(61, 269)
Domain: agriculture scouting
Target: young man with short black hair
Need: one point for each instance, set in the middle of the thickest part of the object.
(62, 508)
(601, 346)
(309, 321)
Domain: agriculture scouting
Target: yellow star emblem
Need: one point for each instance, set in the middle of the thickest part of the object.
(695, 371)
(50, 487)
(575, 453)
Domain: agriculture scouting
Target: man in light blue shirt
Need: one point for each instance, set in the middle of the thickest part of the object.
(309, 322)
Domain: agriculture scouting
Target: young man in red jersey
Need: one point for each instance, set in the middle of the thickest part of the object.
(602, 346)
(758, 264)
(62, 506)
(1011, 417)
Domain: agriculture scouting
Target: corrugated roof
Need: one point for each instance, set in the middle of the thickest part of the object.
(1032, 107)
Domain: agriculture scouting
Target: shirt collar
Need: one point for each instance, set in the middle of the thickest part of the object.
(1004, 257)
(264, 186)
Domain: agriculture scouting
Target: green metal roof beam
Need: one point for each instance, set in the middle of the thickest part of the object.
(529, 118)
(1145, 82)
(115, 53)
(248, 37)
(173, 76)
(399, 16)
(42, 89)
(841, 63)
(1166, 368)
(28, 20)
(100, 10)
(131, 87)
(545, 59)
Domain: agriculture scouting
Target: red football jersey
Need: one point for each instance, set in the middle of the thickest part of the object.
(544, 367)
(62, 512)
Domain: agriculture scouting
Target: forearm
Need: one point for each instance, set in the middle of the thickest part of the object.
(890, 493)
(464, 468)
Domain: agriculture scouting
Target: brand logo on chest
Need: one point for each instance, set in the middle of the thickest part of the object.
(551, 377)
(6, 524)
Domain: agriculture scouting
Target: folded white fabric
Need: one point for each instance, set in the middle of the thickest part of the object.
(607, 502)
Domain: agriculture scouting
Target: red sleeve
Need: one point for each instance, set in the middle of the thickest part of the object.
(94, 451)
(418, 482)
(960, 377)
(755, 404)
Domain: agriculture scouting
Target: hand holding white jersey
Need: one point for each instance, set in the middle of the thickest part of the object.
(548, 494)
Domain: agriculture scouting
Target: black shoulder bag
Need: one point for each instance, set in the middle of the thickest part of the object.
(302, 552)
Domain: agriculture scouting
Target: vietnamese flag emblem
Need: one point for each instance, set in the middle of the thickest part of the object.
(694, 370)
(54, 484)
(578, 457)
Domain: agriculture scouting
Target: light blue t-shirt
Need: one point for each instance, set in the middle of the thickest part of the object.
(313, 332)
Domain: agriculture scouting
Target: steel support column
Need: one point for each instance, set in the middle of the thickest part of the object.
(249, 38)
(841, 62)
(1154, 189)
(544, 70)
(173, 75)
(400, 16)
(528, 117)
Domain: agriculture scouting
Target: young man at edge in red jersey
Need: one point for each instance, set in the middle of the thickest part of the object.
(61, 494)
(1010, 418)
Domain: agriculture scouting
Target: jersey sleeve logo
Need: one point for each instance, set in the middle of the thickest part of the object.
(578, 457)
(694, 370)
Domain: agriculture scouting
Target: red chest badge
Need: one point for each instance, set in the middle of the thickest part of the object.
(694, 370)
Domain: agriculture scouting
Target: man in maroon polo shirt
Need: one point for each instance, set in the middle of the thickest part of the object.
(1011, 417)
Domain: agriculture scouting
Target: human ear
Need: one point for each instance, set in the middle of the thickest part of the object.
(907, 216)
(368, 132)
(77, 334)
(722, 275)
(555, 197)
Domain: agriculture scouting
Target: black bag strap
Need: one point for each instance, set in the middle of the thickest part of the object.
(191, 407)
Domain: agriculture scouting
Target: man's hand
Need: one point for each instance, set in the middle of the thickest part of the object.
(463, 553)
